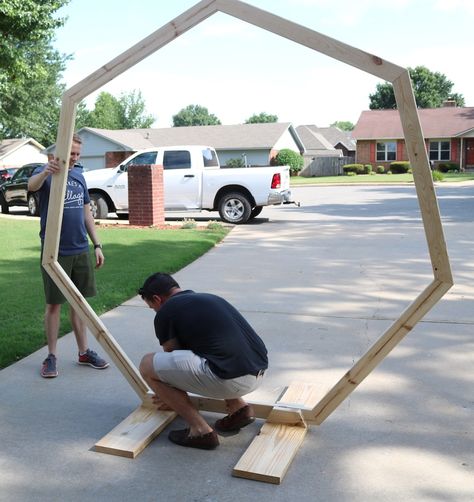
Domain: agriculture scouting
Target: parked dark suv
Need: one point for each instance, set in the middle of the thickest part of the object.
(14, 192)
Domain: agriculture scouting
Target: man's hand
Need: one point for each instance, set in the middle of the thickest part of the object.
(99, 257)
(52, 167)
(36, 181)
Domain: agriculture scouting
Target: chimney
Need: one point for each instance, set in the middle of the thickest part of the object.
(449, 103)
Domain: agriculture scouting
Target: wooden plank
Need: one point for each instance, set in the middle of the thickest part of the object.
(379, 351)
(419, 162)
(299, 396)
(58, 182)
(321, 43)
(132, 435)
(302, 395)
(98, 329)
(270, 453)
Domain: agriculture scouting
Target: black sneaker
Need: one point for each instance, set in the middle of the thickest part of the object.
(90, 358)
(48, 370)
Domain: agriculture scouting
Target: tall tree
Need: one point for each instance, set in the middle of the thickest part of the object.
(343, 125)
(30, 108)
(109, 112)
(261, 118)
(132, 111)
(194, 115)
(106, 112)
(30, 69)
(431, 89)
(24, 23)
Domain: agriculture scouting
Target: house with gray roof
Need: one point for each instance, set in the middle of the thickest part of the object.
(326, 141)
(256, 143)
(20, 151)
(327, 149)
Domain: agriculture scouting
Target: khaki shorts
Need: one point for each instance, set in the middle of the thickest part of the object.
(187, 371)
(79, 269)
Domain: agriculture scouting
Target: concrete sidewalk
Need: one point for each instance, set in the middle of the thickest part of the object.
(320, 284)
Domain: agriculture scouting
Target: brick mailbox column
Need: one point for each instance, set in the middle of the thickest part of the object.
(146, 204)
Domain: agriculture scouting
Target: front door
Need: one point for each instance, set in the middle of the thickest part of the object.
(469, 152)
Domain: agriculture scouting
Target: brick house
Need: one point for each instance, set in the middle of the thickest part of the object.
(448, 132)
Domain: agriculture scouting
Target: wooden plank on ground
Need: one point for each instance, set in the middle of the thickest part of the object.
(134, 433)
(272, 451)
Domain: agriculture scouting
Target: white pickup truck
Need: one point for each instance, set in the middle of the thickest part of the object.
(193, 180)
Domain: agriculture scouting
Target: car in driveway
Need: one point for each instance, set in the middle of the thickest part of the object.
(14, 192)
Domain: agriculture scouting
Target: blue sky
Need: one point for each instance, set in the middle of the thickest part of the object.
(235, 69)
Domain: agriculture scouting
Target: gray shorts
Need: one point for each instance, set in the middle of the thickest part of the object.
(187, 371)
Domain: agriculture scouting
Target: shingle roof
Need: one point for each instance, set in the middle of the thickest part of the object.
(316, 138)
(224, 137)
(8, 146)
(446, 122)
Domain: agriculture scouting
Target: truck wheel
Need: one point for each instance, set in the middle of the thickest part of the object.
(3, 203)
(33, 206)
(255, 212)
(99, 207)
(234, 208)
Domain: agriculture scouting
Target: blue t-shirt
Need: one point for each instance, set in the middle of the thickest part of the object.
(73, 238)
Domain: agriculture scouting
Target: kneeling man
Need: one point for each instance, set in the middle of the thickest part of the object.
(210, 350)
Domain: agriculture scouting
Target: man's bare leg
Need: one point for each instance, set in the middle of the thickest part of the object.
(79, 328)
(176, 399)
(51, 326)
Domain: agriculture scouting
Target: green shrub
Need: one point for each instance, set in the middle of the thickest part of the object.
(446, 167)
(287, 157)
(389, 172)
(400, 166)
(189, 223)
(380, 170)
(351, 173)
(238, 162)
(353, 168)
(368, 168)
(214, 225)
(437, 175)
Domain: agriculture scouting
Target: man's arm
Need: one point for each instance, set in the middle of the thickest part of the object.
(90, 227)
(171, 345)
(36, 181)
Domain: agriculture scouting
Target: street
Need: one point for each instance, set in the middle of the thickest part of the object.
(320, 283)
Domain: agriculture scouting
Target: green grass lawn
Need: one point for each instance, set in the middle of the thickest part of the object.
(130, 256)
(374, 178)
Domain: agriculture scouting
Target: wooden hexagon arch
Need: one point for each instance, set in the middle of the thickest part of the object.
(287, 419)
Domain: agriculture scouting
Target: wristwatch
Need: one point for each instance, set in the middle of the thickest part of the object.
(97, 246)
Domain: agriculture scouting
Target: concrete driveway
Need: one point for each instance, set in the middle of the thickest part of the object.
(320, 283)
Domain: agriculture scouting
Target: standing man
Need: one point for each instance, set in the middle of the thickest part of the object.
(209, 349)
(73, 255)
